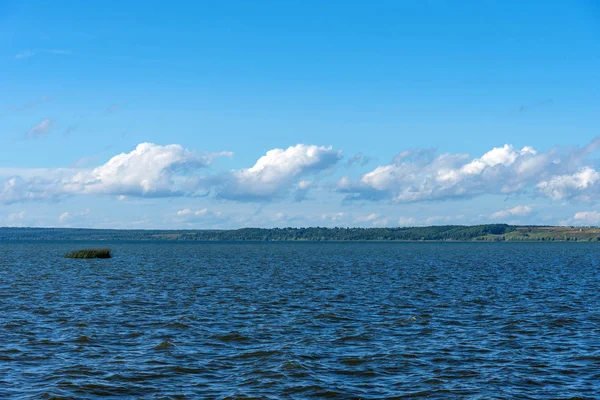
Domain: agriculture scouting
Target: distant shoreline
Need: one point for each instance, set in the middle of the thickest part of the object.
(446, 233)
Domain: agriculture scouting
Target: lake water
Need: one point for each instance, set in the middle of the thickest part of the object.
(301, 320)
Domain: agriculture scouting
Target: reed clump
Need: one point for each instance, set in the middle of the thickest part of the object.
(89, 253)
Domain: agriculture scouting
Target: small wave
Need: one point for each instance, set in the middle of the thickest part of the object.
(587, 357)
(292, 366)
(185, 370)
(260, 354)
(363, 337)
(352, 361)
(567, 321)
(231, 337)
(48, 342)
(305, 389)
(177, 325)
(331, 317)
(10, 351)
(134, 334)
(358, 373)
(83, 339)
(164, 345)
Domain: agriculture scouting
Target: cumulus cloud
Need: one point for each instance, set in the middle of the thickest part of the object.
(41, 129)
(302, 189)
(367, 218)
(202, 215)
(149, 170)
(587, 218)
(518, 211)
(16, 189)
(152, 170)
(373, 219)
(335, 217)
(277, 171)
(69, 218)
(563, 186)
(420, 175)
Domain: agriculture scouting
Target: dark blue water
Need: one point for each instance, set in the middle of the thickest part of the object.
(301, 320)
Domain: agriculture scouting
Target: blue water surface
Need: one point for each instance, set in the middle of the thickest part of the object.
(300, 320)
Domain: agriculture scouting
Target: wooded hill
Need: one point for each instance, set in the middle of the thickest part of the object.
(491, 232)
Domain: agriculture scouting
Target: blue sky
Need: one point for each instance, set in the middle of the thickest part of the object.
(229, 114)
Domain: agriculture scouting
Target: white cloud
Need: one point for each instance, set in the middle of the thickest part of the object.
(302, 189)
(335, 217)
(303, 185)
(63, 217)
(16, 189)
(41, 129)
(519, 211)
(204, 214)
(373, 219)
(28, 173)
(587, 218)
(149, 170)
(368, 218)
(407, 221)
(14, 217)
(437, 219)
(70, 218)
(419, 175)
(564, 186)
(152, 170)
(276, 172)
(279, 216)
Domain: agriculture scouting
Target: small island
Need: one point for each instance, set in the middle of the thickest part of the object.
(89, 253)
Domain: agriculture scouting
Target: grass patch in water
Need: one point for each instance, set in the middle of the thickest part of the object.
(90, 253)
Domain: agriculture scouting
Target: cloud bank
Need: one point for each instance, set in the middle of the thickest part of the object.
(420, 175)
(152, 170)
(299, 172)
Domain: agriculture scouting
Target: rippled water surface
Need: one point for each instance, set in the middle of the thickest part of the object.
(301, 320)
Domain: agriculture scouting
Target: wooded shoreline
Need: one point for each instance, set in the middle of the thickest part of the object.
(490, 232)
